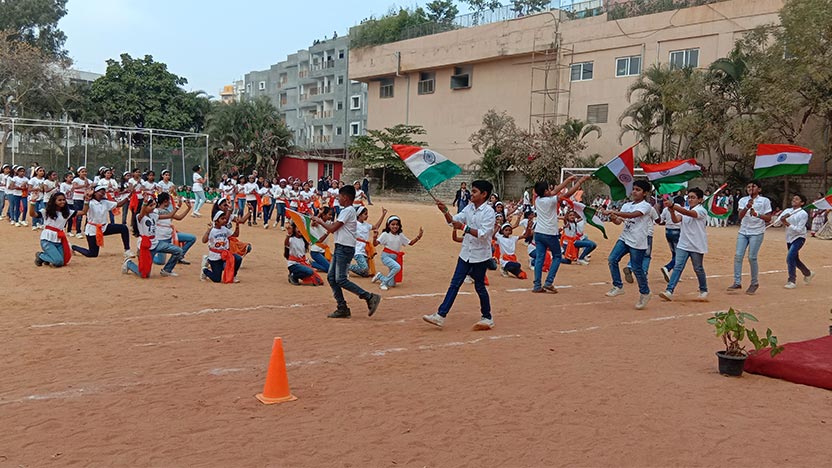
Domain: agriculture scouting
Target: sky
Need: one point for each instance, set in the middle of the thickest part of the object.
(211, 43)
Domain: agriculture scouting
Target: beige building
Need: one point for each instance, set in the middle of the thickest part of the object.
(545, 66)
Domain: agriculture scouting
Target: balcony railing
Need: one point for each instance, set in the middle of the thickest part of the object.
(303, 73)
(322, 114)
(320, 139)
(324, 65)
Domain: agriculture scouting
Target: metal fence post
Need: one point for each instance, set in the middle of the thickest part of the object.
(182, 143)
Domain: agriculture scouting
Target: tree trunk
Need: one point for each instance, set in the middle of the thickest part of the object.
(383, 178)
(786, 192)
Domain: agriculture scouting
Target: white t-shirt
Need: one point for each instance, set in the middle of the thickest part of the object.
(797, 223)
(165, 187)
(66, 189)
(635, 229)
(197, 185)
(164, 228)
(318, 231)
(395, 242)
(250, 189)
(292, 195)
(49, 189)
(59, 223)
(547, 215)
(752, 225)
(359, 197)
(147, 227)
(508, 246)
(20, 182)
(148, 188)
(693, 237)
(98, 213)
(79, 188)
(362, 231)
(218, 240)
(36, 189)
(653, 217)
(280, 194)
(333, 193)
(574, 229)
(296, 249)
(110, 185)
(3, 178)
(346, 235)
(667, 219)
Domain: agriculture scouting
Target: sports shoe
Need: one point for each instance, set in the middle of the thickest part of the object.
(734, 287)
(484, 324)
(666, 274)
(666, 295)
(340, 313)
(205, 264)
(124, 269)
(615, 291)
(235, 280)
(752, 289)
(550, 288)
(582, 262)
(372, 304)
(469, 280)
(24, 223)
(38, 261)
(703, 296)
(79, 235)
(16, 224)
(628, 275)
(383, 287)
(202, 275)
(643, 299)
(537, 291)
(129, 254)
(184, 262)
(293, 280)
(168, 273)
(2, 217)
(266, 226)
(376, 278)
(790, 285)
(808, 279)
(34, 228)
(434, 319)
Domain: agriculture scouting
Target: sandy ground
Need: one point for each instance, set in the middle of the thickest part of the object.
(101, 369)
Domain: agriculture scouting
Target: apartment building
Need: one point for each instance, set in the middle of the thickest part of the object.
(576, 62)
(315, 97)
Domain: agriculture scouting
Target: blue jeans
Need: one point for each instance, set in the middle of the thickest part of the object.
(77, 205)
(200, 200)
(752, 243)
(53, 253)
(361, 267)
(14, 208)
(477, 273)
(337, 276)
(188, 239)
(300, 272)
(682, 260)
(793, 259)
(3, 197)
(267, 213)
(38, 206)
(241, 206)
(585, 244)
(217, 267)
(460, 205)
(672, 237)
(319, 261)
(648, 256)
(281, 214)
(636, 258)
(164, 248)
(543, 242)
(391, 262)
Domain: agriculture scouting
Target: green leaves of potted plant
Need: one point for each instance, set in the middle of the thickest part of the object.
(730, 326)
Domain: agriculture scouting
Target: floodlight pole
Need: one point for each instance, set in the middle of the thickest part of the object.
(86, 139)
(68, 163)
(182, 143)
(130, 151)
(151, 150)
(12, 142)
(207, 168)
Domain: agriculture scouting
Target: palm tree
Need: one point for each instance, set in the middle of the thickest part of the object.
(579, 129)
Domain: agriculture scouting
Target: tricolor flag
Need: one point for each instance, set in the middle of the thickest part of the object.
(430, 167)
(780, 160)
(672, 172)
(590, 215)
(618, 174)
(822, 204)
(664, 189)
(715, 210)
(303, 224)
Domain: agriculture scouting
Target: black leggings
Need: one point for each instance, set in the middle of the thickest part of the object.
(135, 222)
(112, 229)
(252, 206)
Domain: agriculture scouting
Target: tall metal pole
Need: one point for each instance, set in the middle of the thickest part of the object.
(129, 151)
(151, 150)
(68, 163)
(12, 142)
(182, 145)
(207, 167)
(86, 139)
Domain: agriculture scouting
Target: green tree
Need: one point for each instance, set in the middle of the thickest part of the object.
(498, 133)
(483, 5)
(36, 23)
(392, 27)
(375, 151)
(577, 128)
(248, 134)
(528, 7)
(540, 155)
(441, 11)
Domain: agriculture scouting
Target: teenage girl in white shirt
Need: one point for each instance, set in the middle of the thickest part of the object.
(393, 240)
(35, 185)
(80, 185)
(363, 248)
(294, 251)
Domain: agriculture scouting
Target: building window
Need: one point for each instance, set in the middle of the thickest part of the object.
(427, 82)
(355, 129)
(329, 169)
(284, 99)
(340, 105)
(461, 79)
(355, 103)
(628, 66)
(339, 131)
(582, 71)
(341, 53)
(385, 89)
(688, 58)
(340, 79)
(261, 85)
(248, 87)
(597, 113)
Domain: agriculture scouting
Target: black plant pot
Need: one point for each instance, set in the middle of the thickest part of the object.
(730, 365)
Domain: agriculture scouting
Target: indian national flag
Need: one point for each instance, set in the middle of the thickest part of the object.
(588, 214)
(672, 172)
(780, 160)
(822, 204)
(618, 174)
(303, 223)
(664, 189)
(715, 210)
(430, 167)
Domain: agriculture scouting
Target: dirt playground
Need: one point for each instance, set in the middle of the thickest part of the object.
(103, 369)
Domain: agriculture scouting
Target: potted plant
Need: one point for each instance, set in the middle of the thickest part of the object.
(731, 327)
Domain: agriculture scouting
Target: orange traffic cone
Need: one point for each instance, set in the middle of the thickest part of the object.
(276, 389)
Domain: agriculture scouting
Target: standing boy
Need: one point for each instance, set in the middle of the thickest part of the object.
(476, 222)
(755, 212)
(693, 242)
(633, 240)
(344, 230)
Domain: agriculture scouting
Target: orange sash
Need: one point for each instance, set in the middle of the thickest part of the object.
(64, 243)
(228, 269)
(371, 253)
(571, 252)
(237, 247)
(134, 201)
(145, 258)
(116, 210)
(99, 234)
(399, 260)
(312, 279)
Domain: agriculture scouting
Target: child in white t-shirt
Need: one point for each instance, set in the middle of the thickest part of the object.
(693, 241)
(216, 266)
(393, 240)
(508, 252)
(648, 255)
(795, 220)
(364, 251)
(633, 241)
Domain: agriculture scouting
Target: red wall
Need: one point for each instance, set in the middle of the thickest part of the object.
(296, 167)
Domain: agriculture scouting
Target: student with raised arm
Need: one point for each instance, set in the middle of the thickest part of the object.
(693, 241)
(99, 224)
(755, 212)
(166, 232)
(53, 239)
(795, 220)
(220, 265)
(149, 245)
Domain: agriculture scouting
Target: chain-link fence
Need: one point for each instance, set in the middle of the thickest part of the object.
(63, 147)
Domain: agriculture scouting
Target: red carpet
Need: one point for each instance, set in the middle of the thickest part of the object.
(805, 362)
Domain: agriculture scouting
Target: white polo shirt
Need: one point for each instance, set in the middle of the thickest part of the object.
(477, 249)
(346, 235)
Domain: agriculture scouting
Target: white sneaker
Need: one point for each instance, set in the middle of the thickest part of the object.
(2, 217)
(124, 269)
(24, 223)
(197, 214)
(266, 226)
(202, 275)
(808, 279)
(168, 273)
(642, 301)
(582, 262)
(376, 278)
(790, 285)
(34, 228)
(129, 254)
(282, 228)
(703, 296)
(434, 319)
(79, 235)
(615, 291)
(204, 265)
(667, 295)
(16, 224)
(236, 280)
(666, 274)
(383, 287)
(469, 280)
(484, 324)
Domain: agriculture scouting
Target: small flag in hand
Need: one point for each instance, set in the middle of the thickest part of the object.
(303, 224)
(430, 167)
